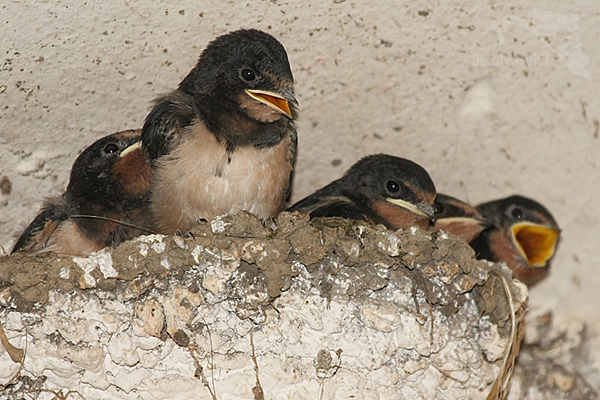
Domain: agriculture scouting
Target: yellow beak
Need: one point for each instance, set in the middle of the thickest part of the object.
(273, 100)
(535, 242)
(131, 148)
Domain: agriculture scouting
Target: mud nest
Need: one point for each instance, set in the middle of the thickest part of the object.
(291, 308)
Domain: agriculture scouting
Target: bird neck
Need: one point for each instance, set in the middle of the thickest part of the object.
(233, 127)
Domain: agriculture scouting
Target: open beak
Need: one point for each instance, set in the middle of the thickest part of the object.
(536, 242)
(276, 100)
(422, 209)
(131, 148)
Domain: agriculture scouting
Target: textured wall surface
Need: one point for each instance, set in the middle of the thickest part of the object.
(492, 99)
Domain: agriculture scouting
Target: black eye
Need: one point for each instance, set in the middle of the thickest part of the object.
(392, 186)
(438, 208)
(248, 74)
(517, 213)
(111, 148)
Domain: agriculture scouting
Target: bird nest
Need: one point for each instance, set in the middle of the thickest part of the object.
(238, 308)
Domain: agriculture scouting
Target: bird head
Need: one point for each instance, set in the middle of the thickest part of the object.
(459, 218)
(531, 227)
(110, 169)
(401, 191)
(248, 70)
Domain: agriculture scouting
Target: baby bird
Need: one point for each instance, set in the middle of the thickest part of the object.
(103, 205)
(524, 236)
(379, 189)
(224, 140)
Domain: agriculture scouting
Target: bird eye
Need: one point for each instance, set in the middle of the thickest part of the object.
(438, 208)
(111, 148)
(248, 74)
(392, 186)
(517, 213)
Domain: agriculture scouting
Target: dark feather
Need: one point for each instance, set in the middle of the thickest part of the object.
(162, 127)
(36, 236)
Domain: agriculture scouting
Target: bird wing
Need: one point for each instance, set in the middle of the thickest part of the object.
(329, 202)
(39, 232)
(162, 127)
(292, 151)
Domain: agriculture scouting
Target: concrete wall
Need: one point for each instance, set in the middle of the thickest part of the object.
(492, 99)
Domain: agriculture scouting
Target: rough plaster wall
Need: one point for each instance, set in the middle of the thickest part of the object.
(493, 99)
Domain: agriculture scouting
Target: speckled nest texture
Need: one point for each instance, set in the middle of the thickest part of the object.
(239, 309)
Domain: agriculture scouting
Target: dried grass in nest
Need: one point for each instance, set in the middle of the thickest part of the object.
(501, 386)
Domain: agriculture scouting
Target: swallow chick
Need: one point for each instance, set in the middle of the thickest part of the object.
(457, 217)
(103, 205)
(224, 141)
(524, 236)
(379, 189)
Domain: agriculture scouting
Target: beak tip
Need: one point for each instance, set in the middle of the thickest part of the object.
(277, 99)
